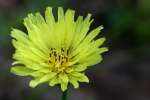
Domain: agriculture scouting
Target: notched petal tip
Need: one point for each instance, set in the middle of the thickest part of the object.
(60, 13)
(70, 10)
(64, 86)
(88, 18)
(49, 18)
(33, 83)
(48, 8)
(103, 49)
(99, 42)
(84, 78)
(15, 62)
(12, 28)
(29, 16)
(74, 83)
(89, 15)
(101, 27)
(48, 11)
(60, 8)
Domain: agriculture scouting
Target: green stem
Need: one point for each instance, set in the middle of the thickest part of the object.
(64, 95)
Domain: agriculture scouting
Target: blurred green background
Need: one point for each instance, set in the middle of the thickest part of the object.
(124, 73)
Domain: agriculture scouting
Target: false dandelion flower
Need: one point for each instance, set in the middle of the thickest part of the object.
(56, 52)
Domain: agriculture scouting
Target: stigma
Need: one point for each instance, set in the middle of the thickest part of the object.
(58, 60)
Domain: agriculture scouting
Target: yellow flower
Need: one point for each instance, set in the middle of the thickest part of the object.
(56, 51)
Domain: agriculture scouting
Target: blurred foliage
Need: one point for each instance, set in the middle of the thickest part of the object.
(130, 19)
(124, 17)
(10, 17)
(127, 28)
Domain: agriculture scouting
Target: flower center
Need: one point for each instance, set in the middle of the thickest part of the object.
(58, 60)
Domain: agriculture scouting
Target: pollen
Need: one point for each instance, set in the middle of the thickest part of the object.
(58, 60)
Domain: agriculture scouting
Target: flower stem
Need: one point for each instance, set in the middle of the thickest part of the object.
(64, 95)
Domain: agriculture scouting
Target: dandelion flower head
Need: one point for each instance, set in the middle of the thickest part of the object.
(56, 52)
